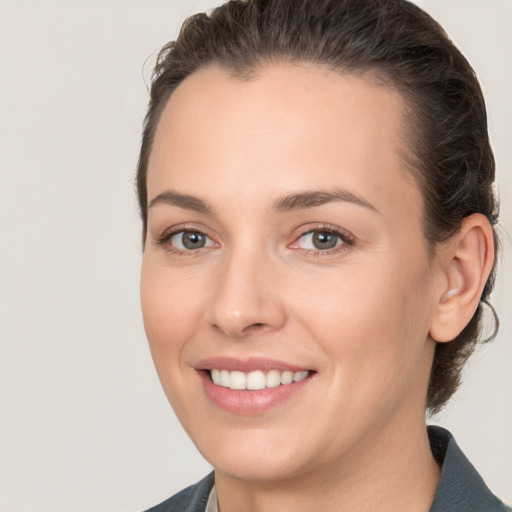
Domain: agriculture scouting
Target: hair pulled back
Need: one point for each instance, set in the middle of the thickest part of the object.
(404, 48)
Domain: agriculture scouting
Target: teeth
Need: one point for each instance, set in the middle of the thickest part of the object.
(273, 378)
(238, 380)
(255, 380)
(286, 377)
(298, 376)
(224, 378)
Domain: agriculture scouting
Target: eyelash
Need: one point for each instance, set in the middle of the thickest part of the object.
(346, 240)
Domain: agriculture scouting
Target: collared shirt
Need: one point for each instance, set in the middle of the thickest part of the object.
(213, 504)
(460, 489)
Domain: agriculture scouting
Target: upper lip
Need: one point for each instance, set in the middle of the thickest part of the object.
(247, 364)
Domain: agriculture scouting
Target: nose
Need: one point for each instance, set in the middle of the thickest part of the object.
(246, 297)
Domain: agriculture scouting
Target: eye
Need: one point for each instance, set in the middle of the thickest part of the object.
(188, 240)
(322, 240)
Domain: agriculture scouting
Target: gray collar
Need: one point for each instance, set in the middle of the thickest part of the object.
(461, 488)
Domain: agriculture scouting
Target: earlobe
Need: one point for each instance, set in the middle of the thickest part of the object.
(467, 262)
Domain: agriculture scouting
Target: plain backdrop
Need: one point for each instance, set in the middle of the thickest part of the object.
(84, 424)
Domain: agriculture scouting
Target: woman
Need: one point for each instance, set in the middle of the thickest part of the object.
(315, 183)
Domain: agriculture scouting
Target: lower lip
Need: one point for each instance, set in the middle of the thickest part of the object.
(250, 402)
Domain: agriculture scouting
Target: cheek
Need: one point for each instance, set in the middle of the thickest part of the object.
(170, 312)
(371, 320)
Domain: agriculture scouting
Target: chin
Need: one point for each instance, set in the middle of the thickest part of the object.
(257, 468)
(252, 456)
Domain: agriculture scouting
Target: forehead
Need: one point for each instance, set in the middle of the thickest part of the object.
(287, 126)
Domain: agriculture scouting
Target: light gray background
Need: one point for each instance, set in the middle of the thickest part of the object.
(84, 425)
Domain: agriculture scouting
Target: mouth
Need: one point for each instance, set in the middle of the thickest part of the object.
(255, 380)
(252, 386)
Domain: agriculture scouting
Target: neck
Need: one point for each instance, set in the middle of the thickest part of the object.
(393, 473)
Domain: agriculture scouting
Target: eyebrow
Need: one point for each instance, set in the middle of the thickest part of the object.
(286, 203)
(185, 201)
(314, 198)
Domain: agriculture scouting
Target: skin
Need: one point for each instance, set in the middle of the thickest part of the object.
(359, 315)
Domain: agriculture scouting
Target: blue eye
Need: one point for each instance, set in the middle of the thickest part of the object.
(189, 240)
(320, 240)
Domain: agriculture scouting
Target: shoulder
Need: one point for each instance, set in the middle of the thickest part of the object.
(460, 488)
(191, 499)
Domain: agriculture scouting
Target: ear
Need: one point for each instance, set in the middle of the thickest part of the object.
(466, 261)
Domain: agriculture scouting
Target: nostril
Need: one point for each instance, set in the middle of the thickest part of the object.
(255, 327)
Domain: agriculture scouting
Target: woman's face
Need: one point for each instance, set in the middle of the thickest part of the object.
(284, 235)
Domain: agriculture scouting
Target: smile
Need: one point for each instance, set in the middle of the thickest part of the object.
(255, 380)
(254, 385)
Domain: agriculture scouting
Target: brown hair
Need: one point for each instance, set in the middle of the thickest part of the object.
(400, 45)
